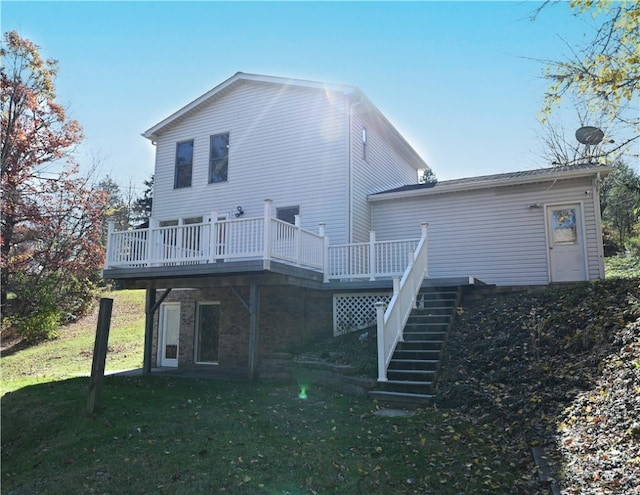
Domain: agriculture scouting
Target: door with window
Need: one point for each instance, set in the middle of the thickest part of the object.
(207, 332)
(566, 243)
(169, 335)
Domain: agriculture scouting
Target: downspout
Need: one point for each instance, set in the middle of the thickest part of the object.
(352, 104)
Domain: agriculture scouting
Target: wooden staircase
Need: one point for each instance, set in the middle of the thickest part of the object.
(412, 372)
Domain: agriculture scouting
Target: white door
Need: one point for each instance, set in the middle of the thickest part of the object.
(169, 334)
(566, 243)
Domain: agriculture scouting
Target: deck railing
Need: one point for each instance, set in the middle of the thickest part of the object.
(264, 238)
(368, 260)
(391, 319)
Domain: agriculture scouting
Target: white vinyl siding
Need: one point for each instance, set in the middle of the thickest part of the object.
(382, 169)
(287, 144)
(494, 235)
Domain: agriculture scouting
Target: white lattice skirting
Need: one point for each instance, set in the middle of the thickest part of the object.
(353, 312)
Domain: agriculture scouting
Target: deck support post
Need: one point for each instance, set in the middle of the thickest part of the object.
(254, 319)
(148, 330)
(150, 308)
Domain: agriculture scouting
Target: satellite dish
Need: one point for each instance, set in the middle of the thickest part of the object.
(589, 135)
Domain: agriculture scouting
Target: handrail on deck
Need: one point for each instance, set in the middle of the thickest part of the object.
(391, 319)
(259, 238)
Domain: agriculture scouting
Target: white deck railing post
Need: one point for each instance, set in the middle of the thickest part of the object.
(152, 240)
(266, 256)
(372, 255)
(297, 238)
(397, 321)
(411, 281)
(424, 227)
(111, 227)
(179, 249)
(382, 361)
(213, 237)
(325, 252)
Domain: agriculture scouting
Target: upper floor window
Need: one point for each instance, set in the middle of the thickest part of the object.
(364, 143)
(219, 158)
(184, 164)
(288, 213)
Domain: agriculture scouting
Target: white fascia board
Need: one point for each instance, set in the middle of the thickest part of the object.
(499, 182)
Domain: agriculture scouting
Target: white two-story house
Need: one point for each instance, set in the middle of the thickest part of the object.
(285, 209)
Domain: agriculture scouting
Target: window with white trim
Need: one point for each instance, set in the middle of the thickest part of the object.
(288, 214)
(219, 158)
(184, 164)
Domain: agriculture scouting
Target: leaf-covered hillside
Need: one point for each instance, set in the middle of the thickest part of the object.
(559, 368)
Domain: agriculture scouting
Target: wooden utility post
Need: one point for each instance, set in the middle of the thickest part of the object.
(99, 354)
(254, 322)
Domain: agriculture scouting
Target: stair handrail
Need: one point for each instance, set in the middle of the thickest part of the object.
(391, 321)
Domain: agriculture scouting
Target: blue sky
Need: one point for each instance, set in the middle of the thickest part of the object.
(457, 79)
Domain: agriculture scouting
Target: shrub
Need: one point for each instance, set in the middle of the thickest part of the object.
(42, 303)
(40, 326)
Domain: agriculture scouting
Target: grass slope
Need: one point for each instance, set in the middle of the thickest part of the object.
(558, 368)
(71, 354)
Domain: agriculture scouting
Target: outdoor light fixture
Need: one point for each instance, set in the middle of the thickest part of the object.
(240, 212)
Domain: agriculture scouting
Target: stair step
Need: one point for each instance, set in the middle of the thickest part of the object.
(413, 383)
(413, 364)
(401, 397)
(406, 386)
(427, 333)
(411, 375)
(428, 318)
(428, 343)
(430, 355)
(428, 325)
(420, 345)
(416, 360)
(438, 333)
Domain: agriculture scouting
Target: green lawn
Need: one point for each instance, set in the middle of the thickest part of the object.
(71, 354)
(515, 363)
(166, 435)
(622, 266)
(179, 436)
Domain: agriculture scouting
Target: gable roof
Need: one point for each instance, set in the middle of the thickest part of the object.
(234, 81)
(495, 180)
(352, 92)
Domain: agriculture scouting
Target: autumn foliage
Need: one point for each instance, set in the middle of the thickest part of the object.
(50, 215)
(604, 72)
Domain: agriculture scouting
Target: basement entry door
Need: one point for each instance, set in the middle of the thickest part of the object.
(169, 335)
(566, 243)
